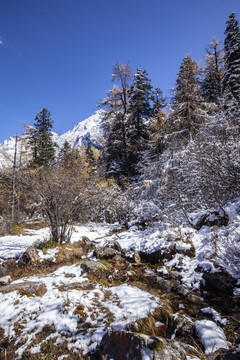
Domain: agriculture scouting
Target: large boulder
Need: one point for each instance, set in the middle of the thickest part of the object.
(218, 286)
(167, 253)
(28, 288)
(126, 345)
(157, 282)
(105, 253)
(29, 257)
(93, 267)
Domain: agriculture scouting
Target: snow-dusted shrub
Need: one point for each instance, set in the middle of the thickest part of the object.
(200, 175)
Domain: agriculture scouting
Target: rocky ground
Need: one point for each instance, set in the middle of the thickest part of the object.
(163, 292)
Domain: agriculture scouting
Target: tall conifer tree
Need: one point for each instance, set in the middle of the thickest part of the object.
(231, 81)
(141, 95)
(41, 139)
(186, 115)
(117, 105)
(211, 86)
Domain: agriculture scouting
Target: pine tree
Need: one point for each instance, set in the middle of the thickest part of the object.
(186, 115)
(141, 95)
(41, 139)
(117, 105)
(231, 81)
(139, 124)
(159, 101)
(211, 86)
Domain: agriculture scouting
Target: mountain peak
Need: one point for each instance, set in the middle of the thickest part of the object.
(90, 130)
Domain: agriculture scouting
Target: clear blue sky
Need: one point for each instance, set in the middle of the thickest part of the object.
(59, 54)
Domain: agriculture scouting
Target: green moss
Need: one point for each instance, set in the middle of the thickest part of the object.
(158, 346)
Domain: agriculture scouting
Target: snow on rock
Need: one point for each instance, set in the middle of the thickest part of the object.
(211, 335)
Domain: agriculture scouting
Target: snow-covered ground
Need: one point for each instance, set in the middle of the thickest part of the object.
(125, 302)
(12, 246)
(60, 309)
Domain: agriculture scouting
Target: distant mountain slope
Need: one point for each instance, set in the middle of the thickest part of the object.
(90, 130)
(87, 131)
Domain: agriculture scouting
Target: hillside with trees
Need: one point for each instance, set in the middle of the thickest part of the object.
(145, 210)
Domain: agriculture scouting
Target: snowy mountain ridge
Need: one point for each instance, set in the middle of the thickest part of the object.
(90, 130)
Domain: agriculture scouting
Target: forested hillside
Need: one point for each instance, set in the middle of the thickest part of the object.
(159, 179)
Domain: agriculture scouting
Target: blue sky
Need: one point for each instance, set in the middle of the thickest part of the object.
(59, 54)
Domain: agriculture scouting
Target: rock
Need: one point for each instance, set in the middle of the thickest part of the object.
(214, 218)
(119, 262)
(28, 288)
(105, 253)
(83, 285)
(182, 290)
(150, 277)
(136, 257)
(218, 285)
(185, 328)
(119, 275)
(228, 356)
(117, 246)
(5, 280)
(124, 345)
(29, 257)
(93, 267)
(159, 256)
(87, 243)
(3, 269)
(168, 253)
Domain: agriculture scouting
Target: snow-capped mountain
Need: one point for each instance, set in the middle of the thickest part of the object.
(87, 131)
(90, 130)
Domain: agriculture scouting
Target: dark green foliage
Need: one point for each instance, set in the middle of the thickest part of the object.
(232, 55)
(139, 124)
(65, 151)
(159, 101)
(117, 105)
(231, 81)
(211, 86)
(141, 95)
(41, 139)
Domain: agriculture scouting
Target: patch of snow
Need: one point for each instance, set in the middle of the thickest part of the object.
(12, 246)
(215, 314)
(211, 335)
(236, 292)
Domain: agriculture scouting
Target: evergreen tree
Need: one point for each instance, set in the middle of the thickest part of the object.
(186, 115)
(231, 81)
(211, 86)
(139, 124)
(159, 101)
(141, 95)
(117, 105)
(41, 139)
